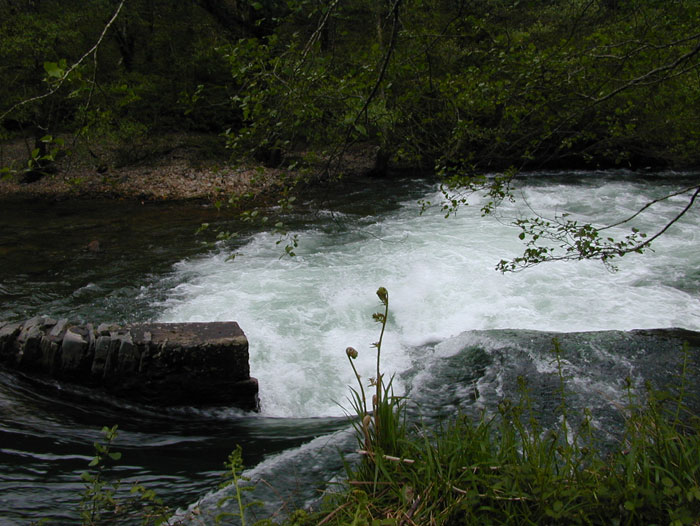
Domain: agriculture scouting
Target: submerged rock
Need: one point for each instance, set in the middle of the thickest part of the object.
(163, 364)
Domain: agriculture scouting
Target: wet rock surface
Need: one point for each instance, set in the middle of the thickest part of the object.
(165, 364)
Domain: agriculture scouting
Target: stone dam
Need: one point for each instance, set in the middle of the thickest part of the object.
(162, 364)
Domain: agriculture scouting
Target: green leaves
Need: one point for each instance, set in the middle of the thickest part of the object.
(103, 500)
(484, 88)
(378, 317)
(55, 70)
(563, 239)
(506, 468)
(239, 484)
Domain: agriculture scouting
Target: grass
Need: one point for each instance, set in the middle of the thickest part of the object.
(506, 469)
(503, 468)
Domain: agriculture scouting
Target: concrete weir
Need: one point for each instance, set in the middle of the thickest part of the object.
(165, 364)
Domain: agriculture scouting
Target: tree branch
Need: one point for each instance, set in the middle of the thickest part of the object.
(317, 33)
(647, 242)
(652, 203)
(67, 73)
(639, 80)
(583, 241)
(338, 155)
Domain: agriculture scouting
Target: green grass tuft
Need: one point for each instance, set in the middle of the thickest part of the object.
(498, 469)
(507, 469)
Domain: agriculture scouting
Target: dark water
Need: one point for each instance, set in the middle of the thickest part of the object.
(46, 434)
(47, 267)
(47, 430)
(46, 443)
(473, 372)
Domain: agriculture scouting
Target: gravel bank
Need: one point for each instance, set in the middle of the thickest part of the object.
(175, 167)
(170, 181)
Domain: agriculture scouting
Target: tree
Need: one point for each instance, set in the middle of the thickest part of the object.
(465, 88)
(110, 69)
(626, 90)
(476, 87)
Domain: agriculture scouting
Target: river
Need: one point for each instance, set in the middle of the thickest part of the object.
(457, 327)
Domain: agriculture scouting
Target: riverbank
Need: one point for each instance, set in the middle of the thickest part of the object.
(174, 179)
(182, 171)
(163, 168)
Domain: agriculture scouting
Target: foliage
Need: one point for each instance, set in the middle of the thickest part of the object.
(478, 85)
(109, 71)
(472, 88)
(105, 501)
(481, 85)
(381, 425)
(501, 468)
(102, 501)
(234, 467)
(505, 468)
(40, 160)
(461, 88)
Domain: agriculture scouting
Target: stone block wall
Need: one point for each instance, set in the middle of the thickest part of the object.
(162, 364)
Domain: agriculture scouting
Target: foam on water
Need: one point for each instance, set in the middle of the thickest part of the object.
(300, 314)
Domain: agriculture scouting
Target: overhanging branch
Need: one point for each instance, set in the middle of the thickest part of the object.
(66, 73)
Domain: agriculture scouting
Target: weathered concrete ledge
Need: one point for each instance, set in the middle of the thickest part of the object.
(163, 364)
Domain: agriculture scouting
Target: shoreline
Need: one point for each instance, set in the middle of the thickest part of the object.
(172, 181)
(169, 167)
(180, 173)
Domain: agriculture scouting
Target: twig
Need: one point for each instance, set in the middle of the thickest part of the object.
(494, 497)
(314, 37)
(640, 79)
(388, 457)
(407, 517)
(368, 483)
(67, 73)
(333, 513)
(339, 152)
(651, 203)
(668, 225)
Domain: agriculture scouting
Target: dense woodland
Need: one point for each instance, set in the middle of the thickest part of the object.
(462, 88)
(473, 85)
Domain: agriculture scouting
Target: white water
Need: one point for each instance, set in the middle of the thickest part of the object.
(300, 314)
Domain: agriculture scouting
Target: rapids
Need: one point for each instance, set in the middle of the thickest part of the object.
(455, 324)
